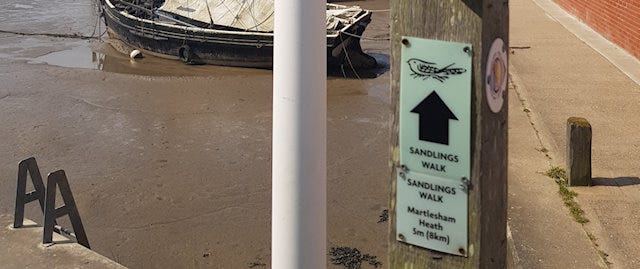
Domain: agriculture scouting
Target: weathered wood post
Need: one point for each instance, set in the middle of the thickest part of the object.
(578, 152)
(449, 142)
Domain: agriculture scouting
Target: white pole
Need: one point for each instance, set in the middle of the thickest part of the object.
(298, 232)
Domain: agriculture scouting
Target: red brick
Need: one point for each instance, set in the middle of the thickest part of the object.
(617, 20)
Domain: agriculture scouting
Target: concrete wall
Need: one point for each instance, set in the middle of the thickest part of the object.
(616, 20)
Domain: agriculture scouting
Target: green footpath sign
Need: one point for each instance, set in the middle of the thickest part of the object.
(435, 144)
(435, 108)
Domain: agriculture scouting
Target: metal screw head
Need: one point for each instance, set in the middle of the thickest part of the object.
(465, 185)
(401, 237)
(468, 51)
(402, 174)
(404, 168)
(405, 42)
(461, 251)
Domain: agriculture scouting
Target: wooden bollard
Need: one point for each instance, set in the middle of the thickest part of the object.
(578, 152)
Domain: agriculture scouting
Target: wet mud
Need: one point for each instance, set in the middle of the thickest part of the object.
(170, 164)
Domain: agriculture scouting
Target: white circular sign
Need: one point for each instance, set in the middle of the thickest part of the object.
(496, 76)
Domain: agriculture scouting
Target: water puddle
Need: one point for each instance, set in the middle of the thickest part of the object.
(100, 55)
(79, 56)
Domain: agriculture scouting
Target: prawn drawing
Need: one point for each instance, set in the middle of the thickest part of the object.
(423, 69)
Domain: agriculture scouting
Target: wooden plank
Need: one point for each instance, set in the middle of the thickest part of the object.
(477, 22)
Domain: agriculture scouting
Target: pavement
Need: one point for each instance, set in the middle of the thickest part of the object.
(559, 69)
(23, 248)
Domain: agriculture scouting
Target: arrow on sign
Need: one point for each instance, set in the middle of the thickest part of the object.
(434, 119)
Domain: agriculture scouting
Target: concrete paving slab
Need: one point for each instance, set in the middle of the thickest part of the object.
(564, 76)
(23, 248)
(544, 234)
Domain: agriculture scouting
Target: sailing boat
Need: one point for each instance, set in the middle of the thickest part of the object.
(226, 32)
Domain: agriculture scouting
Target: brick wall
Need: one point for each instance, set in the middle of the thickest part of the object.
(616, 20)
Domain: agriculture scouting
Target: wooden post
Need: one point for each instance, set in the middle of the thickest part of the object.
(480, 23)
(578, 152)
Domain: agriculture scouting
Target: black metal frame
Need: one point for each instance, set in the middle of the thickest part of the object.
(22, 198)
(47, 199)
(51, 213)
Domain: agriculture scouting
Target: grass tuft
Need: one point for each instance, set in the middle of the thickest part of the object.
(556, 173)
(567, 195)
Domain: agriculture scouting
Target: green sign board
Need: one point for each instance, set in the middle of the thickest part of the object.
(434, 142)
(435, 108)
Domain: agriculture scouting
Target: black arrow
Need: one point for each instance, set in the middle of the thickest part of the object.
(434, 119)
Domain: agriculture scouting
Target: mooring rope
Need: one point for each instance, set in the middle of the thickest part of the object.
(366, 38)
(346, 54)
(96, 25)
(50, 34)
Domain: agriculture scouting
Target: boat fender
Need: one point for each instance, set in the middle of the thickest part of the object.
(185, 54)
(135, 54)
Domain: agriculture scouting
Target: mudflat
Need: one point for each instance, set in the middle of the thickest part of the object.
(170, 165)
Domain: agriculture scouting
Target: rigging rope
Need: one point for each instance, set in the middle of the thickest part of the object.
(366, 38)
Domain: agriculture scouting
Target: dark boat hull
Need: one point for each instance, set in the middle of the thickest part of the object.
(196, 45)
